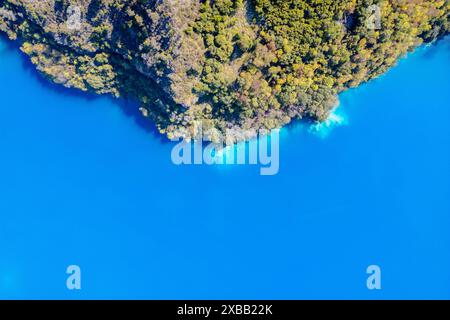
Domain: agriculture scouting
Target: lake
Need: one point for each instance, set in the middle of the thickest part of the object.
(85, 181)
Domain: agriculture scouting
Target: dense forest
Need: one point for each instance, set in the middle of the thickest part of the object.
(232, 65)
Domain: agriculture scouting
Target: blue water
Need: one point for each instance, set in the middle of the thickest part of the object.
(84, 181)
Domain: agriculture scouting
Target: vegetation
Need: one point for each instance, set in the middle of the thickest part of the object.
(231, 64)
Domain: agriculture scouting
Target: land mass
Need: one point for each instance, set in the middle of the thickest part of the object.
(232, 65)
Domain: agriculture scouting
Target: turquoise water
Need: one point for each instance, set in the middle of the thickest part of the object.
(84, 181)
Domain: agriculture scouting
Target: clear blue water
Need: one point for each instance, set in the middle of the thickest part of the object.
(84, 182)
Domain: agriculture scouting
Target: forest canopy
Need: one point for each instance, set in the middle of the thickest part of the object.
(231, 64)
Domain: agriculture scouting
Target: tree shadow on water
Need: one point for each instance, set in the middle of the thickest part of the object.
(436, 46)
(128, 106)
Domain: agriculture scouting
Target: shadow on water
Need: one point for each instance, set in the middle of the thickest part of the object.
(437, 46)
(129, 107)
